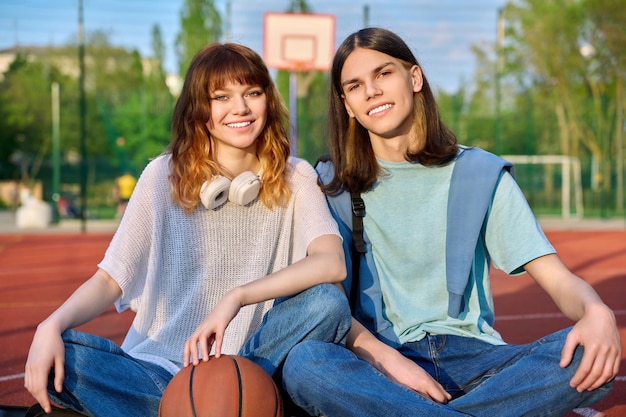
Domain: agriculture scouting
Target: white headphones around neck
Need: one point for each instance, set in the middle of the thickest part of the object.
(241, 190)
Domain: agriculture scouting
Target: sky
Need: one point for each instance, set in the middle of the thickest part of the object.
(440, 32)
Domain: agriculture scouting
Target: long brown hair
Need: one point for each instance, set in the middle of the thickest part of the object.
(350, 149)
(192, 148)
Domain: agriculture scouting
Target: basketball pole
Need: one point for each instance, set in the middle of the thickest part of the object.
(293, 110)
(297, 42)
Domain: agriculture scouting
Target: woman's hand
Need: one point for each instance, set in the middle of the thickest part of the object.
(212, 329)
(47, 352)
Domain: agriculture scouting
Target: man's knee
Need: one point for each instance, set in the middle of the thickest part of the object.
(302, 362)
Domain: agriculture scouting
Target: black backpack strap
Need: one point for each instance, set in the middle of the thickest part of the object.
(358, 212)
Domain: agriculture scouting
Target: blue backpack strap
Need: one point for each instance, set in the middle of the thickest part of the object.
(368, 303)
(473, 183)
(353, 221)
(341, 209)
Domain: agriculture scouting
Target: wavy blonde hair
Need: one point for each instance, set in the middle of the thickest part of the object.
(192, 148)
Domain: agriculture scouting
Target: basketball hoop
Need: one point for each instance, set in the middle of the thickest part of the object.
(298, 41)
(301, 66)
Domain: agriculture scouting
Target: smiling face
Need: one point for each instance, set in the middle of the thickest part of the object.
(238, 116)
(378, 92)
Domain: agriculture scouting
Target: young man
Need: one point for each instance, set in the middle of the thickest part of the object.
(436, 215)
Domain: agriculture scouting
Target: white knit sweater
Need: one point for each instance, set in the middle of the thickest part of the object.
(173, 267)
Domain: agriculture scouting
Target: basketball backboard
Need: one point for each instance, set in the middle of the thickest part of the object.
(298, 41)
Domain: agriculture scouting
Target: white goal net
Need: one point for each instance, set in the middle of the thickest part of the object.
(568, 179)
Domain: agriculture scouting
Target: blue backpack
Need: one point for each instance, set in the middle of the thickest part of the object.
(472, 185)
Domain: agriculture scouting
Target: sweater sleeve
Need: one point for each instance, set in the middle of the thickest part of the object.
(312, 217)
(127, 257)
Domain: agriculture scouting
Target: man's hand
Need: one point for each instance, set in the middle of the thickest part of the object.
(597, 333)
(404, 371)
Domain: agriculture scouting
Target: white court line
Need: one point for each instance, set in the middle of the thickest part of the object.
(588, 412)
(544, 315)
(10, 377)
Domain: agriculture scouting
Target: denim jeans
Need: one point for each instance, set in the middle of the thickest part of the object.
(484, 380)
(320, 313)
(101, 380)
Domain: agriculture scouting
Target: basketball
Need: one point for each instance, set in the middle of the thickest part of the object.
(228, 386)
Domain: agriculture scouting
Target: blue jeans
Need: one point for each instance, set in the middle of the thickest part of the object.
(483, 379)
(101, 380)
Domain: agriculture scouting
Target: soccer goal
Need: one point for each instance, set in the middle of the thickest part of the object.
(543, 176)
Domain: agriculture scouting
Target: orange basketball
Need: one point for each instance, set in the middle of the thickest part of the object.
(228, 386)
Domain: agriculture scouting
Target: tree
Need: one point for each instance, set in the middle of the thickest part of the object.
(578, 70)
(201, 23)
(128, 111)
(299, 6)
(158, 52)
(25, 134)
(562, 83)
(609, 21)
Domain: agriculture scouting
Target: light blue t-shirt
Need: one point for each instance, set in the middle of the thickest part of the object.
(406, 224)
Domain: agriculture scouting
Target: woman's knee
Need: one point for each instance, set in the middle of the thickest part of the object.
(327, 301)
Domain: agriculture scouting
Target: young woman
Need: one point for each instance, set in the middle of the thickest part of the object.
(217, 227)
(436, 215)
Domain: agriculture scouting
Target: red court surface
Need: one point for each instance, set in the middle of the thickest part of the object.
(38, 271)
